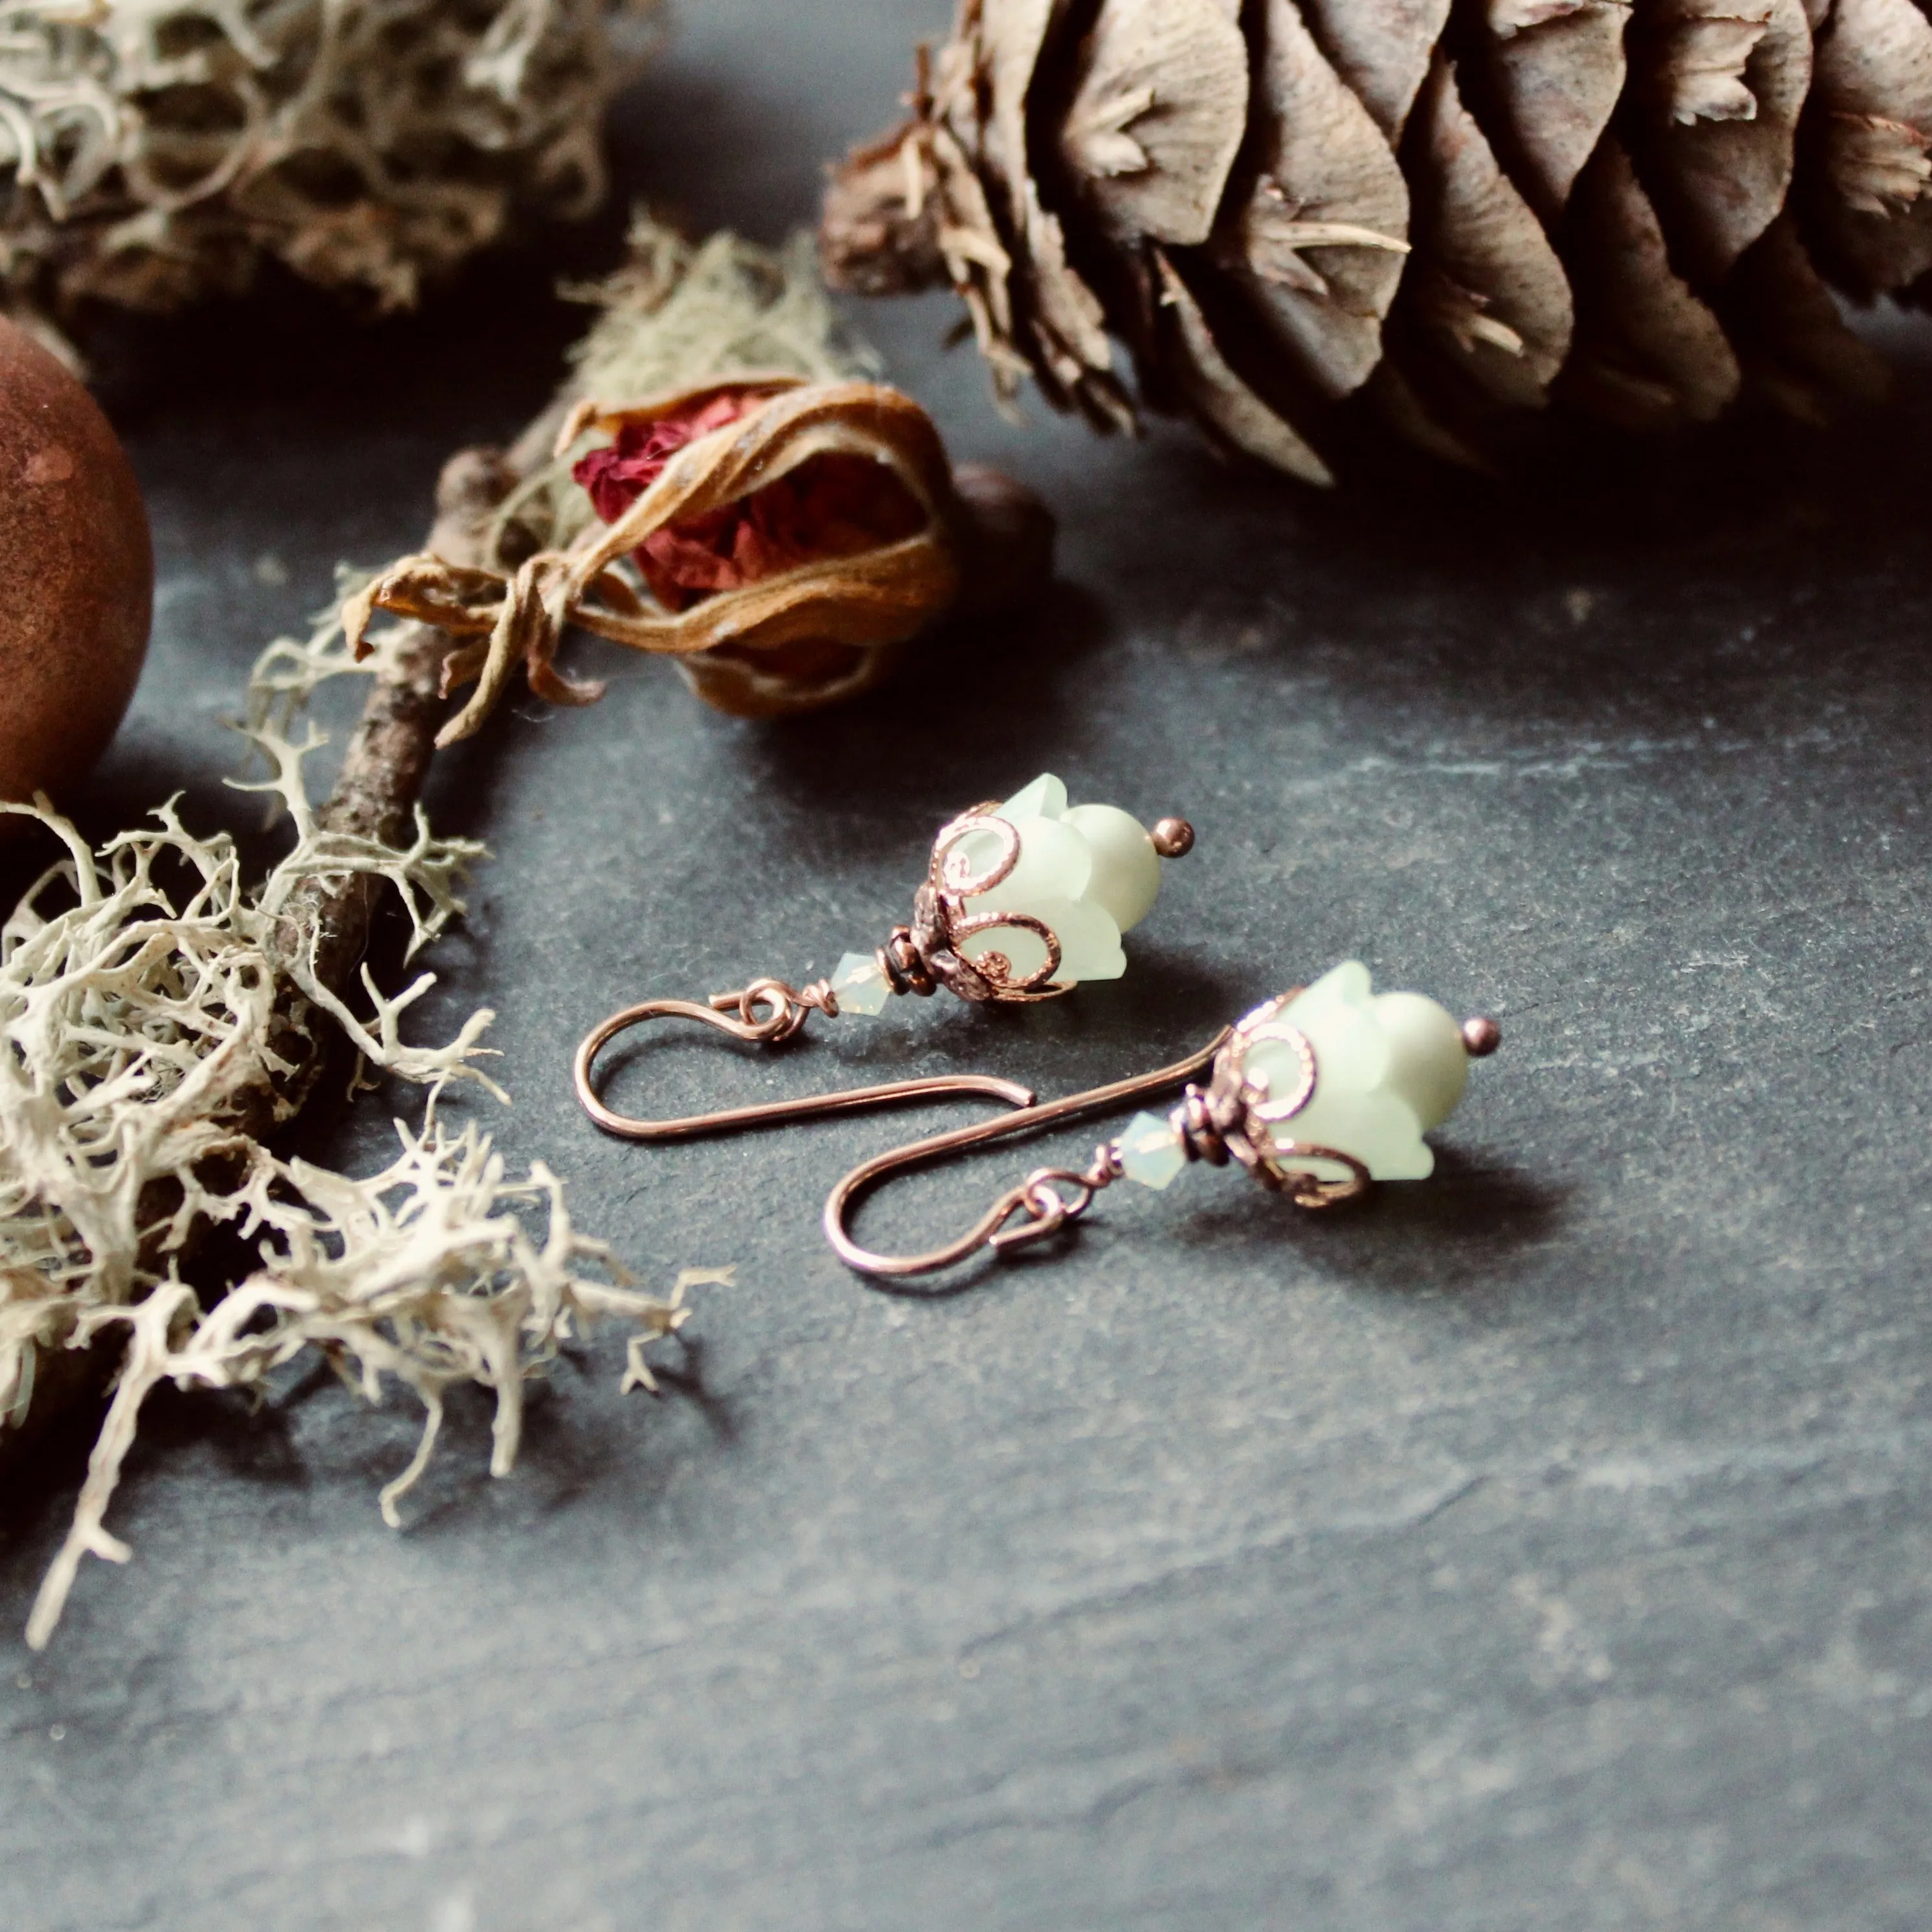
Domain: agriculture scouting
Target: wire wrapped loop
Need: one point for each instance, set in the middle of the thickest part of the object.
(1038, 1197)
(770, 1011)
(1047, 1210)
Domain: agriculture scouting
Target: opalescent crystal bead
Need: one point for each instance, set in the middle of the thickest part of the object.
(860, 985)
(1151, 1151)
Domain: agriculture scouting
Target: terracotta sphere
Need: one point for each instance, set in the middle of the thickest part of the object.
(76, 575)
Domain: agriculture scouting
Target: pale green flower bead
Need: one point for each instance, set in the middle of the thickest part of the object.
(1429, 1065)
(1089, 874)
(1054, 864)
(1126, 869)
(1389, 1067)
(1044, 798)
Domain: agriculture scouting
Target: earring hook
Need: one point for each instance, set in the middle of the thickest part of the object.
(765, 1012)
(1038, 1196)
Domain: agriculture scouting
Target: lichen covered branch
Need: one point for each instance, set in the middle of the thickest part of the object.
(160, 1020)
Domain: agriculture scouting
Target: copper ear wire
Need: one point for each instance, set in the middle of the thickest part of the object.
(1235, 1116)
(766, 1011)
(1038, 1196)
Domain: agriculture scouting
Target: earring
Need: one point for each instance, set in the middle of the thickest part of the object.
(1022, 901)
(1318, 1093)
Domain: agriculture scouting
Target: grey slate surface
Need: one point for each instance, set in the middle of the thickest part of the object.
(1545, 1546)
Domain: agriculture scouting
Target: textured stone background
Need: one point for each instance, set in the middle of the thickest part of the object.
(1546, 1546)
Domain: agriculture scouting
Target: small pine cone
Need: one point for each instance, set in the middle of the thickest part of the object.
(1309, 219)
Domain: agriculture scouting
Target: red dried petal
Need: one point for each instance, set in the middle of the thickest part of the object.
(618, 474)
(833, 505)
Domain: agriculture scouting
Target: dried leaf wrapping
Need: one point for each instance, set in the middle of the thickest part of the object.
(1318, 240)
(864, 602)
(1870, 116)
(1722, 83)
(764, 637)
(1648, 354)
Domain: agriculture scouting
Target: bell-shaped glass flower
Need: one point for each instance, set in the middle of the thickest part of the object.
(1088, 873)
(1340, 1066)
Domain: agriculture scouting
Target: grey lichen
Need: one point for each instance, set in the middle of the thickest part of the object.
(153, 152)
(158, 1018)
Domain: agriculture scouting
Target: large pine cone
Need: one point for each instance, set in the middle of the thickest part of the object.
(1434, 215)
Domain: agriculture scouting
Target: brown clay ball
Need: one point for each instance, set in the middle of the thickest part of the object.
(76, 575)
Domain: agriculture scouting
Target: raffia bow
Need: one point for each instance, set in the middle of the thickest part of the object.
(869, 602)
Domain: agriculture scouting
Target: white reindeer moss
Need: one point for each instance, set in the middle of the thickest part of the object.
(138, 987)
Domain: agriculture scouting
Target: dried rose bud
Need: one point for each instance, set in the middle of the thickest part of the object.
(833, 505)
(792, 535)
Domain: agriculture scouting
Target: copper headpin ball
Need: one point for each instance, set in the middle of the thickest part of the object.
(1481, 1036)
(1173, 837)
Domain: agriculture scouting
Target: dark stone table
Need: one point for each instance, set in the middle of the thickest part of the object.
(1545, 1546)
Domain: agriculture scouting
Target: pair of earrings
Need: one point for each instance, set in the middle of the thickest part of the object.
(1318, 1093)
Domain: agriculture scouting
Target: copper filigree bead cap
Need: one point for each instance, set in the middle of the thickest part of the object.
(1023, 900)
(77, 574)
(1089, 873)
